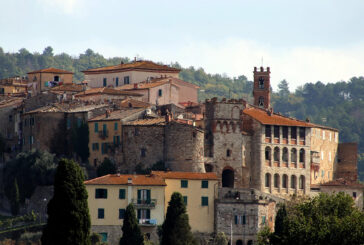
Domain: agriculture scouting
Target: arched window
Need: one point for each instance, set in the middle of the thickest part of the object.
(284, 181)
(293, 181)
(285, 154)
(261, 82)
(302, 155)
(276, 154)
(261, 101)
(267, 180)
(239, 242)
(250, 242)
(302, 182)
(267, 153)
(228, 178)
(294, 155)
(276, 180)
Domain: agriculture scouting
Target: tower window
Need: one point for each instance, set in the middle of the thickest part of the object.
(261, 101)
(261, 82)
(228, 152)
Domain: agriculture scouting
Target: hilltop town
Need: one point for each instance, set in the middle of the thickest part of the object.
(232, 161)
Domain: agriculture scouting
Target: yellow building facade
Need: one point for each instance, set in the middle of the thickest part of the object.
(198, 191)
(324, 146)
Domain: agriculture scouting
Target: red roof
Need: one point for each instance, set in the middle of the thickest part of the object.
(51, 70)
(122, 179)
(106, 90)
(343, 183)
(185, 175)
(136, 65)
(265, 117)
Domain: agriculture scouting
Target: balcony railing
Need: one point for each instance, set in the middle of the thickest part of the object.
(103, 134)
(148, 222)
(144, 203)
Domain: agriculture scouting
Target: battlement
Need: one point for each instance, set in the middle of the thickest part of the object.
(261, 69)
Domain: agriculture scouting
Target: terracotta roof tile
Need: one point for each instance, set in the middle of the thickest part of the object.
(114, 179)
(129, 102)
(69, 87)
(136, 65)
(343, 182)
(263, 117)
(51, 70)
(106, 90)
(145, 122)
(155, 82)
(185, 175)
(117, 115)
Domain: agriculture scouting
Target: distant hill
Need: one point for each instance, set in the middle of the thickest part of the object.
(339, 105)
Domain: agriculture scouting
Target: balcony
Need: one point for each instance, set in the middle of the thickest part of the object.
(267, 140)
(140, 203)
(103, 134)
(147, 222)
(268, 163)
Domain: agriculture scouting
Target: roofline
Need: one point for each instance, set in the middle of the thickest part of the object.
(40, 71)
(130, 69)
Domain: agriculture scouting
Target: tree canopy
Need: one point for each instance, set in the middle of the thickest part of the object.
(68, 214)
(324, 219)
(131, 230)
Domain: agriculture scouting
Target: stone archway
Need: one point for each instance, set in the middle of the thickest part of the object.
(228, 177)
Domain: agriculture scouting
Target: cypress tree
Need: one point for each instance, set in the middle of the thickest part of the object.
(176, 229)
(15, 199)
(131, 230)
(68, 214)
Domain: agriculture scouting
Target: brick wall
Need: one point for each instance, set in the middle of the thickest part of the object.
(347, 161)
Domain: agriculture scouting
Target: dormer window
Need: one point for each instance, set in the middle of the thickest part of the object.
(261, 82)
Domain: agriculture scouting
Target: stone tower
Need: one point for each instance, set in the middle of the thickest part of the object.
(261, 90)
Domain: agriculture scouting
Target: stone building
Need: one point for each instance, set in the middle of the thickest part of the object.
(148, 141)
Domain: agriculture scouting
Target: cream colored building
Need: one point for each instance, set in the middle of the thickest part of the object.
(199, 191)
(324, 150)
(109, 195)
(128, 73)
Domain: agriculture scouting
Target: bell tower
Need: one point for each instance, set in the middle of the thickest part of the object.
(261, 89)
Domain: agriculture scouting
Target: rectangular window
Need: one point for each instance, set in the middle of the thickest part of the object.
(144, 196)
(121, 213)
(31, 121)
(101, 213)
(143, 152)
(25, 122)
(104, 127)
(103, 236)
(244, 219)
(185, 200)
(122, 194)
(116, 126)
(285, 132)
(31, 140)
(354, 194)
(104, 82)
(293, 132)
(104, 147)
(96, 127)
(101, 193)
(205, 184)
(302, 133)
(204, 201)
(117, 82)
(276, 131)
(268, 131)
(263, 220)
(323, 134)
(143, 214)
(95, 146)
(126, 80)
(116, 140)
(184, 183)
(160, 92)
(79, 122)
(236, 219)
(68, 123)
(10, 118)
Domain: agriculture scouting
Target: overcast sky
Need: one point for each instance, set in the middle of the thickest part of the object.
(302, 41)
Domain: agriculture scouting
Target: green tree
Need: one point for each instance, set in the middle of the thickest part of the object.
(106, 167)
(283, 88)
(220, 239)
(81, 141)
(15, 199)
(325, 219)
(176, 229)
(68, 213)
(131, 230)
(95, 239)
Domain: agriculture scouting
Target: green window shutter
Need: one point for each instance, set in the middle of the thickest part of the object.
(139, 214)
(236, 219)
(114, 140)
(205, 184)
(184, 184)
(263, 220)
(122, 194)
(148, 195)
(204, 201)
(96, 127)
(185, 200)
(244, 219)
(116, 126)
(121, 213)
(148, 213)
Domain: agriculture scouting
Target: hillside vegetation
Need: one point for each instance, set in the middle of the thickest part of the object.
(339, 105)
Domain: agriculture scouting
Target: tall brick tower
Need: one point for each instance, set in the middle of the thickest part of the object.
(261, 90)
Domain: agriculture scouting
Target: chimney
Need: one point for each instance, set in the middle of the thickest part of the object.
(130, 181)
(107, 113)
